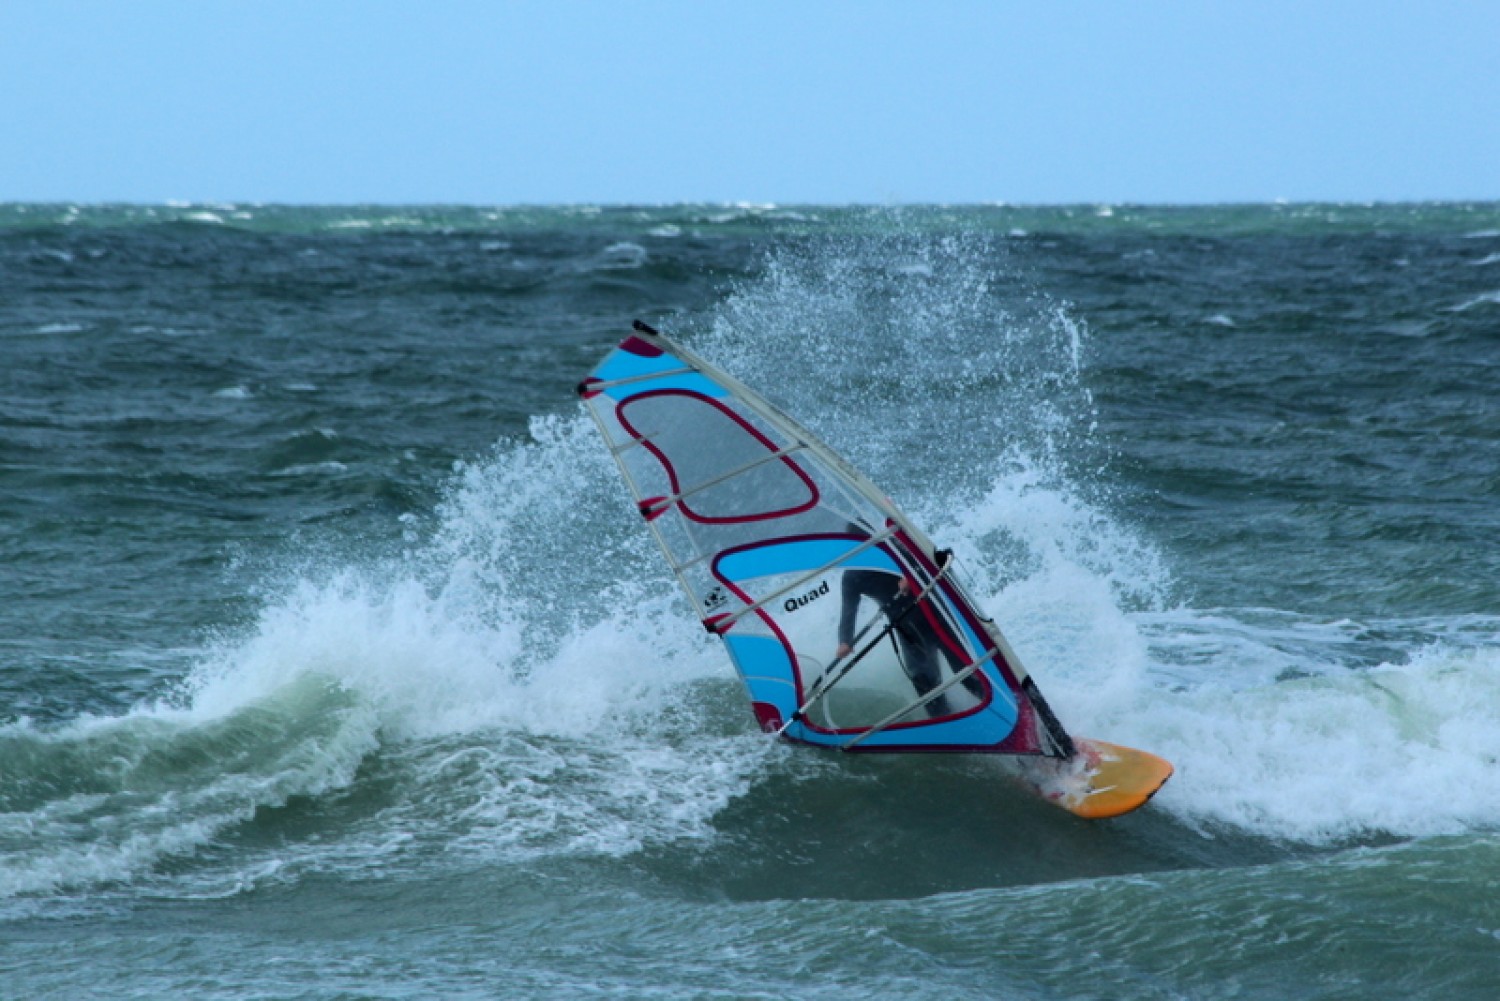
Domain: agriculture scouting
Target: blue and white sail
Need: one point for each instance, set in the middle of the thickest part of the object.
(844, 621)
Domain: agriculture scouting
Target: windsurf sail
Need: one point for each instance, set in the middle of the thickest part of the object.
(847, 625)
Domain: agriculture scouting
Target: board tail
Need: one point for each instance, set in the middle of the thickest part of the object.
(1101, 780)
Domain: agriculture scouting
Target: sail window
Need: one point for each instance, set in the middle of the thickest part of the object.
(713, 458)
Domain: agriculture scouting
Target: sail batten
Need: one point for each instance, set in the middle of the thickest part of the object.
(595, 386)
(664, 502)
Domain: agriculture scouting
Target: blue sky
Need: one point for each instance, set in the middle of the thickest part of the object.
(826, 102)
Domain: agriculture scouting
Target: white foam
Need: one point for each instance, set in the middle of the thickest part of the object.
(1405, 749)
(1275, 728)
(393, 645)
(550, 689)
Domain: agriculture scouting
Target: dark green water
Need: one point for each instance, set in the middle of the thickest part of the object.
(334, 663)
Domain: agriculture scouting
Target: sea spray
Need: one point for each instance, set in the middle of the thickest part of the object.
(922, 357)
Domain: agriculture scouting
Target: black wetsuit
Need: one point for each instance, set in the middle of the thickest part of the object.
(918, 642)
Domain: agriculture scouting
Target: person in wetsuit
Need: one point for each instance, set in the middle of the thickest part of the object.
(917, 641)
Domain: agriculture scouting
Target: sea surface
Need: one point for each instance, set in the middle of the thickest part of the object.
(335, 664)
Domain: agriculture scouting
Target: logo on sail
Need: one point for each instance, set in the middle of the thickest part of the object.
(792, 604)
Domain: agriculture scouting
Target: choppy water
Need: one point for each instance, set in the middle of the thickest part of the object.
(334, 664)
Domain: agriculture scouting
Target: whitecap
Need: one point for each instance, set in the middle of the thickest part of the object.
(1408, 328)
(234, 393)
(313, 469)
(1220, 320)
(1487, 259)
(625, 255)
(1485, 299)
(60, 328)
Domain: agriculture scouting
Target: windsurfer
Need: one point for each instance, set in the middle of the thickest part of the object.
(917, 640)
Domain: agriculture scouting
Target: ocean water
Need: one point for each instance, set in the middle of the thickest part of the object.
(334, 662)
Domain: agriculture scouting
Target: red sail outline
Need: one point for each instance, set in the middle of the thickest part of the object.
(770, 446)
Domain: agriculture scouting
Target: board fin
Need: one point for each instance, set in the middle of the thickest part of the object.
(1101, 780)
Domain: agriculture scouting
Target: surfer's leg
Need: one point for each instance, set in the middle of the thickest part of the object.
(971, 684)
(920, 663)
